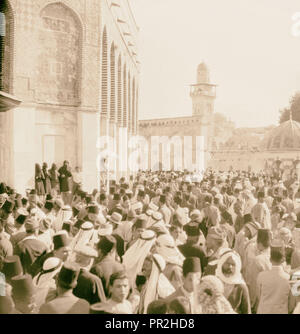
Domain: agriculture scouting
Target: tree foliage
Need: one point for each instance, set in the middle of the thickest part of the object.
(294, 107)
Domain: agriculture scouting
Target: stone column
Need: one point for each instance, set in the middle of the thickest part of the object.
(21, 124)
(88, 155)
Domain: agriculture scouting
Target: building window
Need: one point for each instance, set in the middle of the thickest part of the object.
(59, 68)
(6, 35)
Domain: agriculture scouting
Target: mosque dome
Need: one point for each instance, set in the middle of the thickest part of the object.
(286, 136)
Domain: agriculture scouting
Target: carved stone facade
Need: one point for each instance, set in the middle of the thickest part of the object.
(57, 60)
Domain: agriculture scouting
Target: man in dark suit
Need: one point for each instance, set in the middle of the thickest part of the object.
(191, 275)
(192, 248)
(30, 248)
(64, 181)
(89, 286)
(106, 264)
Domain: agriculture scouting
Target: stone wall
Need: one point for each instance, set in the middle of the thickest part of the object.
(56, 70)
(244, 160)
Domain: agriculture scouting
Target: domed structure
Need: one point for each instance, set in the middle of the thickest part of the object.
(284, 137)
(202, 73)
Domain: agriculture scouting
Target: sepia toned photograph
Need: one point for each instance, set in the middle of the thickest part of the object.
(149, 159)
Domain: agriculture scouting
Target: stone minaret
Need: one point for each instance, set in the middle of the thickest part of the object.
(203, 95)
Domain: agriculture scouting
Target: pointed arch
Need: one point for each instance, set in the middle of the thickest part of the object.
(59, 73)
(125, 96)
(119, 99)
(112, 83)
(104, 78)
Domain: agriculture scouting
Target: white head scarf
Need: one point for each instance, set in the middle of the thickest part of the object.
(45, 279)
(158, 286)
(63, 215)
(236, 278)
(135, 256)
(165, 246)
(84, 236)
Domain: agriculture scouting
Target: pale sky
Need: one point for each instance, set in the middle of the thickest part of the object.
(248, 46)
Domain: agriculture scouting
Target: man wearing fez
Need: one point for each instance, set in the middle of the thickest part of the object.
(30, 248)
(94, 215)
(191, 279)
(103, 202)
(49, 210)
(21, 216)
(23, 294)
(89, 286)
(192, 248)
(143, 198)
(118, 302)
(65, 301)
(11, 267)
(64, 182)
(138, 228)
(246, 235)
(273, 288)
(106, 264)
(7, 216)
(110, 203)
(166, 212)
(116, 201)
(61, 250)
(6, 248)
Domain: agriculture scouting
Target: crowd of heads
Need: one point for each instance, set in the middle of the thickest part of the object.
(158, 242)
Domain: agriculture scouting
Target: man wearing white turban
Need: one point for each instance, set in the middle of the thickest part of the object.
(235, 289)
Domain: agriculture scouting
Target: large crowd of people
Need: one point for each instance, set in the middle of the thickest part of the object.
(167, 242)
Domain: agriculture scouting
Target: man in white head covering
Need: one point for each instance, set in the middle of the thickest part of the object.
(235, 289)
(249, 201)
(86, 235)
(64, 214)
(45, 280)
(134, 257)
(165, 246)
(157, 284)
(46, 233)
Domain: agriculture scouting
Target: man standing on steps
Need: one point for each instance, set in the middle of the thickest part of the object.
(64, 181)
